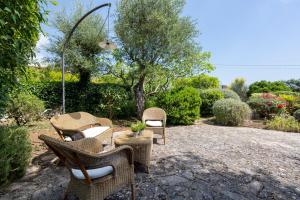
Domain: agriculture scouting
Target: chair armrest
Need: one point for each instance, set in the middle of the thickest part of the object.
(104, 122)
(88, 144)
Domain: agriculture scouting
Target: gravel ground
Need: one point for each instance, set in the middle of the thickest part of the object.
(198, 162)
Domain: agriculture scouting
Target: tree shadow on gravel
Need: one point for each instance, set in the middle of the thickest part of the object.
(187, 176)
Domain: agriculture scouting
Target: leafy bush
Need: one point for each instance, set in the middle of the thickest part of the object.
(239, 86)
(209, 97)
(267, 86)
(181, 104)
(294, 84)
(112, 100)
(85, 98)
(267, 105)
(292, 102)
(231, 112)
(230, 94)
(297, 114)
(202, 81)
(25, 107)
(15, 152)
(284, 123)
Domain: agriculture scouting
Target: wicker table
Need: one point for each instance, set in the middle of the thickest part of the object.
(142, 146)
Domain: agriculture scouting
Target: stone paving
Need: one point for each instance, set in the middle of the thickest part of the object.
(198, 162)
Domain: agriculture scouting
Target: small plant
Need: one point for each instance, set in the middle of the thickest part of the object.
(284, 123)
(138, 126)
(230, 94)
(267, 105)
(297, 114)
(15, 153)
(209, 97)
(25, 108)
(231, 112)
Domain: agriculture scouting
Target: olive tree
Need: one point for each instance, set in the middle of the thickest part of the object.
(156, 44)
(83, 49)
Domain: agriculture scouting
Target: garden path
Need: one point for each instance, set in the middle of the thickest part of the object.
(198, 162)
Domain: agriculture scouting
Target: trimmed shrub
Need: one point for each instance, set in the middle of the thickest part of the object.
(181, 105)
(284, 123)
(15, 152)
(209, 97)
(231, 112)
(267, 86)
(25, 108)
(297, 115)
(267, 105)
(92, 98)
(230, 94)
(202, 81)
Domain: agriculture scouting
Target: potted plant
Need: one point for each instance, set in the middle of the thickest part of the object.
(137, 128)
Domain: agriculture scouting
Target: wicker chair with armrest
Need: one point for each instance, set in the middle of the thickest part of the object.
(94, 175)
(78, 125)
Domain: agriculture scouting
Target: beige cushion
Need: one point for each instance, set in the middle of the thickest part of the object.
(154, 123)
(93, 173)
(95, 131)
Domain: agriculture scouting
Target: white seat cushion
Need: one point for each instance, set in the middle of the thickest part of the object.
(154, 123)
(95, 131)
(93, 173)
(68, 139)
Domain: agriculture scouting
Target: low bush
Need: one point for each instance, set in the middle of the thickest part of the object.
(267, 105)
(267, 86)
(231, 112)
(181, 104)
(230, 94)
(284, 123)
(209, 97)
(25, 108)
(297, 114)
(15, 151)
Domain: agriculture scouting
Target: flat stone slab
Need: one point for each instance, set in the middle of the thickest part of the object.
(198, 162)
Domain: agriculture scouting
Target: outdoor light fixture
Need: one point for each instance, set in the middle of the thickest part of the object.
(106, 45)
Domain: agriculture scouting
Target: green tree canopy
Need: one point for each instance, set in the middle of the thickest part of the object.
(156, 44)
(267, 86)
(83, 49)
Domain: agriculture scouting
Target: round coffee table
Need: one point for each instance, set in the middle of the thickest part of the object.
(142, 145)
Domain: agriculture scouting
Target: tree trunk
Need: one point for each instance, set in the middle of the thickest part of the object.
(139, 96)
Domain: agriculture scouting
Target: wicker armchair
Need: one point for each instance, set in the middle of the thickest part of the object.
(78, 125)
(155, 120)
(94, 175)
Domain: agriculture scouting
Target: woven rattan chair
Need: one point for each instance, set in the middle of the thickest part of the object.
(94, 175)
(155, 120)
(78, 125)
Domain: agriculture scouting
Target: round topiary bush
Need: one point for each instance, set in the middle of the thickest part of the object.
(209, 97)
(230, 94)
(297, 114)
(181, 105)
(231, 112)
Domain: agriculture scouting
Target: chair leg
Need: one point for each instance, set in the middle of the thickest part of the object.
(132, 191)
(164, 137)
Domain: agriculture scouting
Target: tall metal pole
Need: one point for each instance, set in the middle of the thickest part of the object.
(65, 46)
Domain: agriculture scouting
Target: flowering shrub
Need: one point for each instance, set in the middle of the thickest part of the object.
(267, 105)
(292, 102)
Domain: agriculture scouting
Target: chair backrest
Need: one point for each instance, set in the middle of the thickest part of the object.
(154, 113)
(72, 121)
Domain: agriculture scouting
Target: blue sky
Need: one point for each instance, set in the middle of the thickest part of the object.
(240, 34)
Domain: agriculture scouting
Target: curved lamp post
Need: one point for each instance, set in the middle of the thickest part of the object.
(105, 45)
